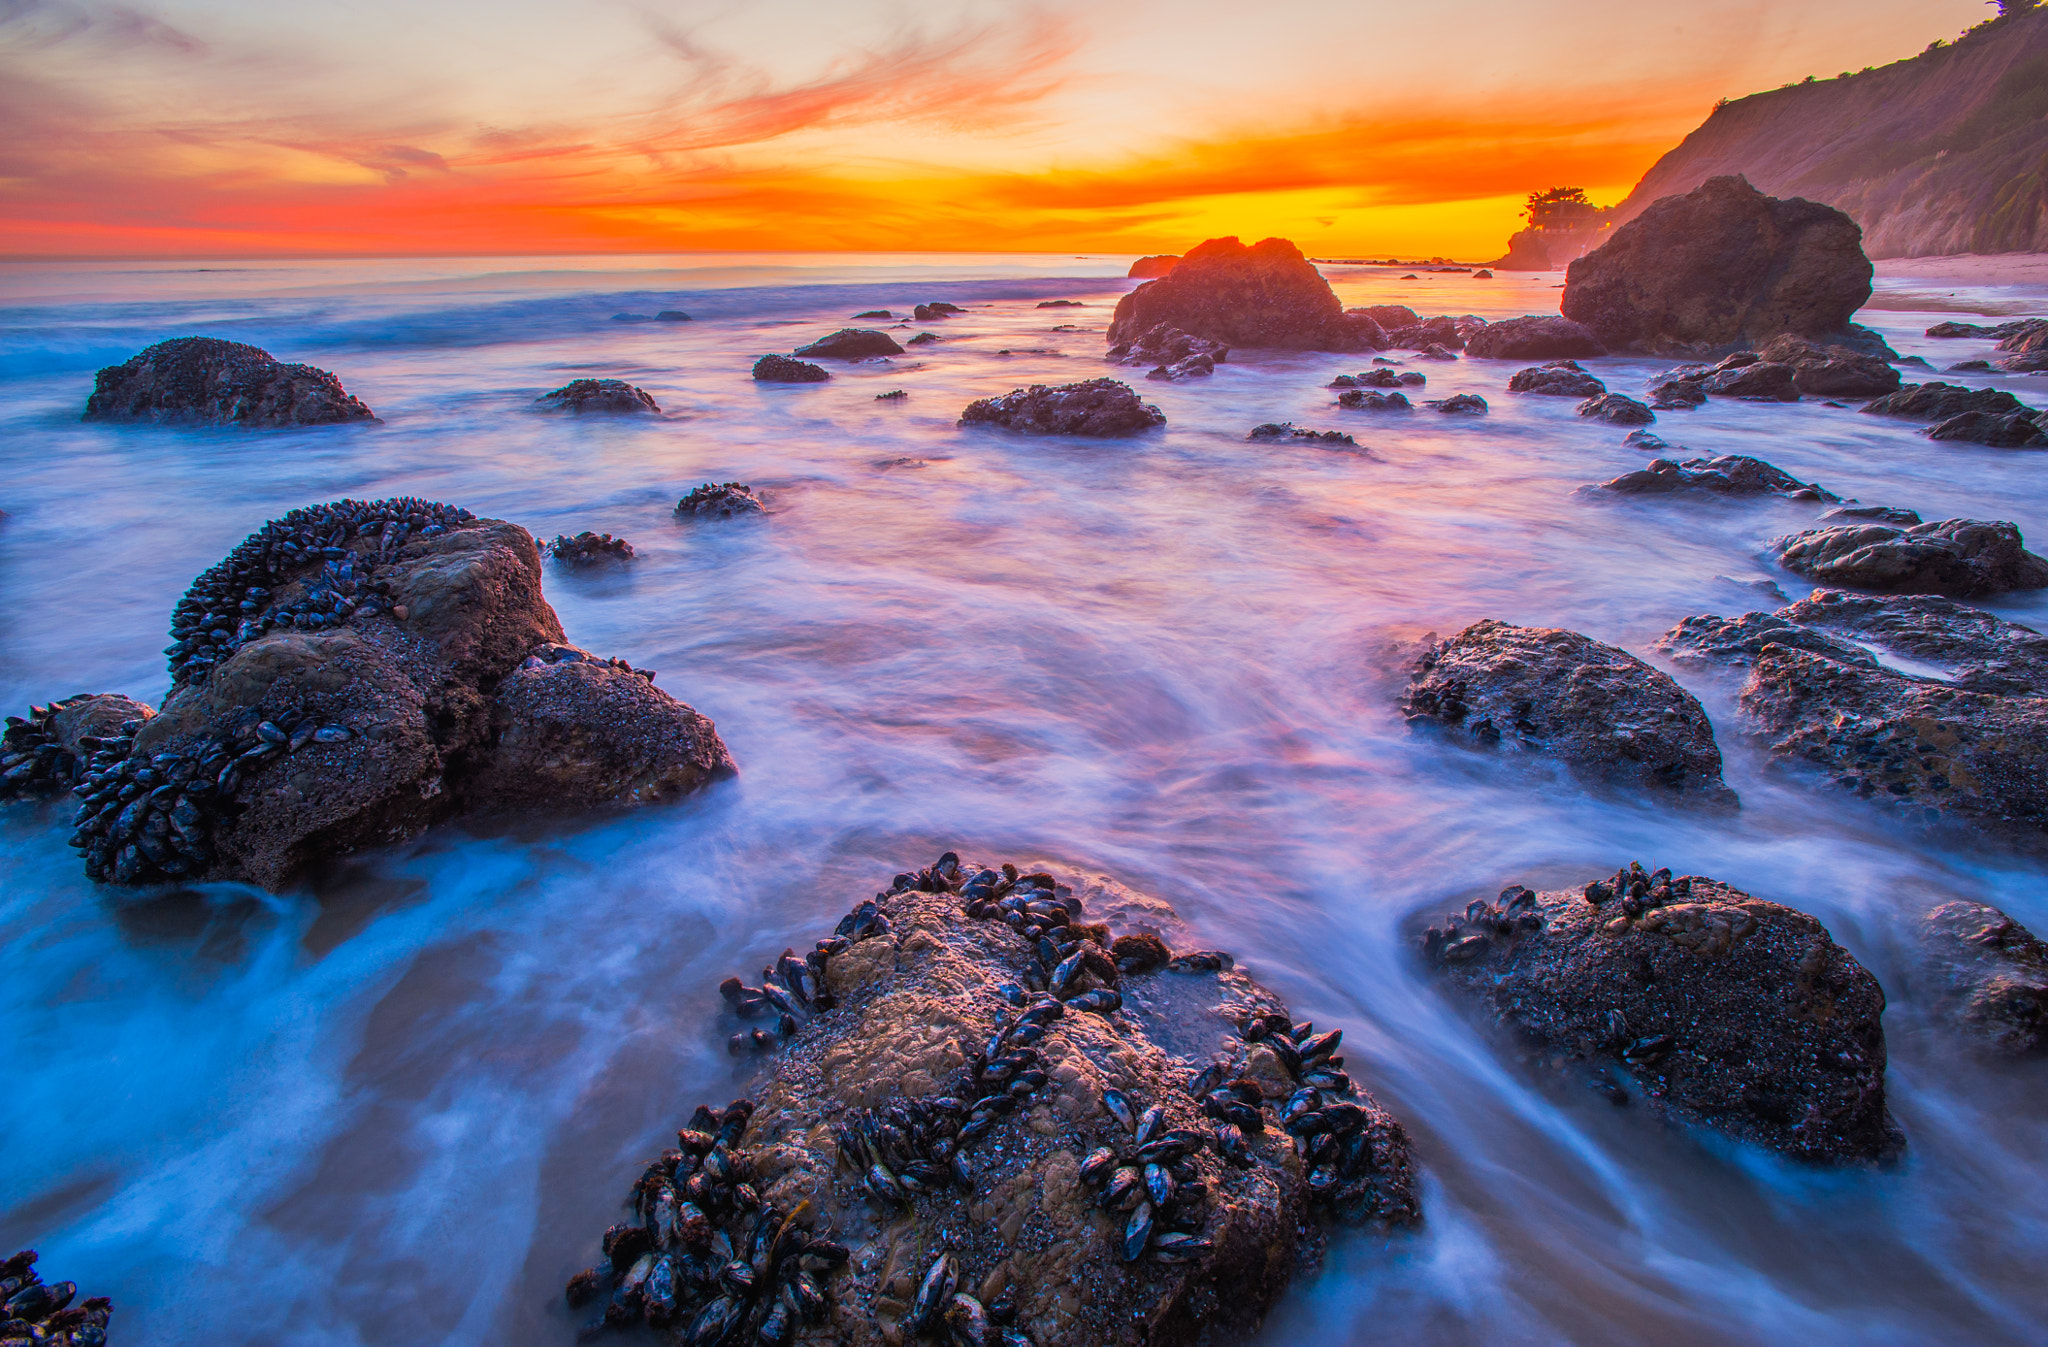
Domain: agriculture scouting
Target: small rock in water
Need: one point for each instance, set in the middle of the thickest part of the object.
(1096, 408)
(1617, 409)
(719, 500)
(614, 396)
(1470, 403)
(781, 369)
(589, 549)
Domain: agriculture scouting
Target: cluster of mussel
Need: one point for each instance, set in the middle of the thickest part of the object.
(940, 1308)
(705, 1254)
(148, 817)
(1333, 1135)
(236, 600)
(1463, 939)
(32, 761)
(36, 1312)
(1640, 890)
(719, 500)
(793, 991)
(589, 549)
(1154, 1178)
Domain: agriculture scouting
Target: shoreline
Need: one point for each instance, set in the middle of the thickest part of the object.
(1968, 268)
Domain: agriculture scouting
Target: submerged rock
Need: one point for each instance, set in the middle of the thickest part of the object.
(1536, 336)
(1264, 295)
(1287, 430)
(1992, 975)
(1380, 378)
(1946, 723)
(1617, 409)
(1962, 558)
(780, 369)
(1001, 1150)
(1558, 379)
(1100, 408)
(1729, 475)
(1719, 267)
(937, 309)
(1457, 404)
(850, 343)
(719, 500)
(598, 395)
(1371, 400)
(223, 382)
(1605, 714)
(1722, 1010)
(338, 681)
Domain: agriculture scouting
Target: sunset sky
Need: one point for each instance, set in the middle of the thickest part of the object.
(258, 127)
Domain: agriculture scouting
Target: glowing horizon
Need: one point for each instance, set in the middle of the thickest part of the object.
(459, 128)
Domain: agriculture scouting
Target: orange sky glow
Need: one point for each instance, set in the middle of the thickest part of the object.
(237, 128)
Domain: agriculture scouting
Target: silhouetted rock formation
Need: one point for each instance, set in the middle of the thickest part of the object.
(1264, 295)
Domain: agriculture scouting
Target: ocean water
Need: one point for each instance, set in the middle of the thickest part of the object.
(399, 1103)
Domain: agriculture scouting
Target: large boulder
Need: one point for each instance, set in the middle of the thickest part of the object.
(1537, 336)
(1962, 558)
(343, 679)
(1991, 974)
(1264, 295)
(205, 379)
(604, 396)
(1609, 717)
(1729, 475)
(1723, 266)
(1925, 706)
(986, 1121)
(1100, 408)
(1722, 1010)
(1823, 370)
(850, 343)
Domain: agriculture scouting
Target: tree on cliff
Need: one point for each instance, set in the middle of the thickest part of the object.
(1561, 208)
(2006, 8)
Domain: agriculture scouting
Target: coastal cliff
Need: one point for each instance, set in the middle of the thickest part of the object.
(1945, 152)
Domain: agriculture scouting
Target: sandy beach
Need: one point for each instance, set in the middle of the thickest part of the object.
(1969, 268)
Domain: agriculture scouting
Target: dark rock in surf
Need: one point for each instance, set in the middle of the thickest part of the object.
(337, 684)
(780, 369)
(1380, 378)
(1605, 714)
(1101, 408)
(1961, 558)
(1960, 740)
(2017, 327)
(1940, 401)
(1991, 975)
(1372, 400)
(1166, 345)
(1722, 266)
(672, 316)
(1558, 379)
(1723, 1010)
(850, 343)
(937, 309)
(204, 379)
(1729, 475)
(1470, 404)
(1061, 304)
(1266, 295)
(882, 314)
(1754, 381)
(2013, 430)
(1676, 395)
(1288, 431)
(1444, 332)
(1390, 317)
(588, 549)
(1823, 370)
(1535, 337)
(1617, 409)
(599, 396)
(719, 500)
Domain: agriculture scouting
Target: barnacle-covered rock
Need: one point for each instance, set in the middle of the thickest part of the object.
(343, 679)
(589, 549)
(782, 369)
(1099, 408)
(1946, 724)
(1721, 1009)
(719, 500)
(206, 379)
(1991, 974)
(614, 396)
(41, 1314)
(1018, 1140)
(1604, 713)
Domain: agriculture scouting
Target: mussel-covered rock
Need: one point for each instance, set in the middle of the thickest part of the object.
(850, 343)
(36, 1313)
(46, 751)
(1991, 974)
(1946, 725)
(1962, 558)
(1558, 379)
(719, 500)
(206, 379)
(1717, 1008)
(1099, 408)
(1729, 475)
(589, 549)
(782, 369)
(1288, 431)
(343, 679)
(1601, 711)
(1016, 1135)
(599, 397)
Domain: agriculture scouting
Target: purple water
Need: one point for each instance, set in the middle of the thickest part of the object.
(399, 1104)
